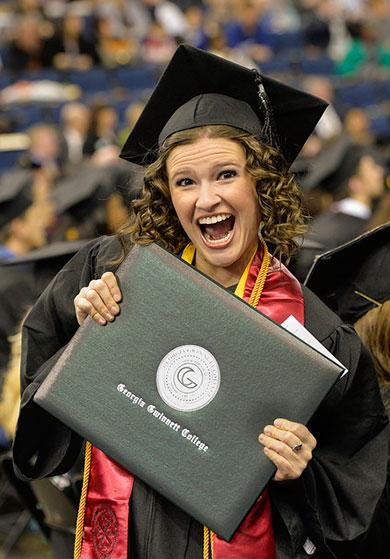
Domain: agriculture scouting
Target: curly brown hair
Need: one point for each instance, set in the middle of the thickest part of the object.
(374, 330)
(154, 219)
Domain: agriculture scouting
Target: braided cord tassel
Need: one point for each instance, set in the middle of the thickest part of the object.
(260, 281)
(83, 502)
(208, 541)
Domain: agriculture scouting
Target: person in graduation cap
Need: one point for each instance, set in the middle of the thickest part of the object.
(358, 290)
(354, 176)
(217, 140)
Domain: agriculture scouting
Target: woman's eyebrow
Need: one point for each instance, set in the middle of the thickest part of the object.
(182, 171)
(227, 163)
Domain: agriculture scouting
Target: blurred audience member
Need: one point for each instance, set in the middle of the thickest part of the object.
(28, 230)
(114, 50)
(69, 49)
(363, 186)
(196, 33)
(357, 125)
(102, 129)
(330, 124)
(379, 19)
(312, 147)
(132, 114)
(317, 29)
(45, 150)
(219, 12)
(75, 120)
(15, 199)
(357, 182)
(251, 27)
(26, 49)
(239, 55)
(284, 16)
(158, 46)
(169, 16)
(365, 50)
(126, 19)
(81, 198)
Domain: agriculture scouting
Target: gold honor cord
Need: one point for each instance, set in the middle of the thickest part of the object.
(78, 542)
(188, 256)
(368, 298)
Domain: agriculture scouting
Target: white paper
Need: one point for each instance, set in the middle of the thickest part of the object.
(295, 327)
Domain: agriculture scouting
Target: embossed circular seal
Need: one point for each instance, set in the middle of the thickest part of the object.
(104, 531)
(188, 378)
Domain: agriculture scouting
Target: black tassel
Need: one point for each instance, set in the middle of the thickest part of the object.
(269, 130)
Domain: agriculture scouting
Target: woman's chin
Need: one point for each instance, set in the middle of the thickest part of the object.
(227, 255)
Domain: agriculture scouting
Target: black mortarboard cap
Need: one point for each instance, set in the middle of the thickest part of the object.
(92, 186)
(15, 195)
(355, 277)
(280, 115)
(86, 187)
(23, 279)
(63, 250)
(335, 164)
(41, 265)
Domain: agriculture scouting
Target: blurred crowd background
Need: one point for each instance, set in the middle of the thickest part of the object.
(74, 77)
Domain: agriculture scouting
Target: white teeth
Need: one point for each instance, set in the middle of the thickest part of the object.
(213, 219)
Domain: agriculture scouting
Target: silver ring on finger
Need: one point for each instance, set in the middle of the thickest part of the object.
(297, 447)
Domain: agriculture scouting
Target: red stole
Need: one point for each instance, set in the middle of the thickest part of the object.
(110, 486)
(281, 297)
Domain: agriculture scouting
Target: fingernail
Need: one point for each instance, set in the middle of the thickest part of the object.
(102, 321)
(261, 437)
(117, 297)
(109, 317)
(114, 310)
(278, 422)
(267, 429)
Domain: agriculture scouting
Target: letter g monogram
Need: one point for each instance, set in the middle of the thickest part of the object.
(184, 377)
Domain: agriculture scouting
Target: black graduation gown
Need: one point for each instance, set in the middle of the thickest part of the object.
(335, 228)
(332, 502)
(17, 294)
(329, 230)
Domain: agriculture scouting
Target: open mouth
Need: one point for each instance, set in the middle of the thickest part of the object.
(217, 228)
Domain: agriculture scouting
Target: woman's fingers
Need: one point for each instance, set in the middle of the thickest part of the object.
(84, 308)
(285, 471)
(100, 295)
(99, 300)
(289, 445)
(298, 429)
(288, 437)
(111, 281)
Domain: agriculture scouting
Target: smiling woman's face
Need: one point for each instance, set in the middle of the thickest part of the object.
(216, 202)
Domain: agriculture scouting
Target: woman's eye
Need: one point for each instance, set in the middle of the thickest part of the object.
(184, 182)
(228, 174)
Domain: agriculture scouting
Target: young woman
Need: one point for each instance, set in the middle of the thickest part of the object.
(216, 191)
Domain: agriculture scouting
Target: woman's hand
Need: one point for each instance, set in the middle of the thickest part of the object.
(289, 446)
(99, 300)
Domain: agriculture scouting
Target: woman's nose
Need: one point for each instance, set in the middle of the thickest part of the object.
(208, 197)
